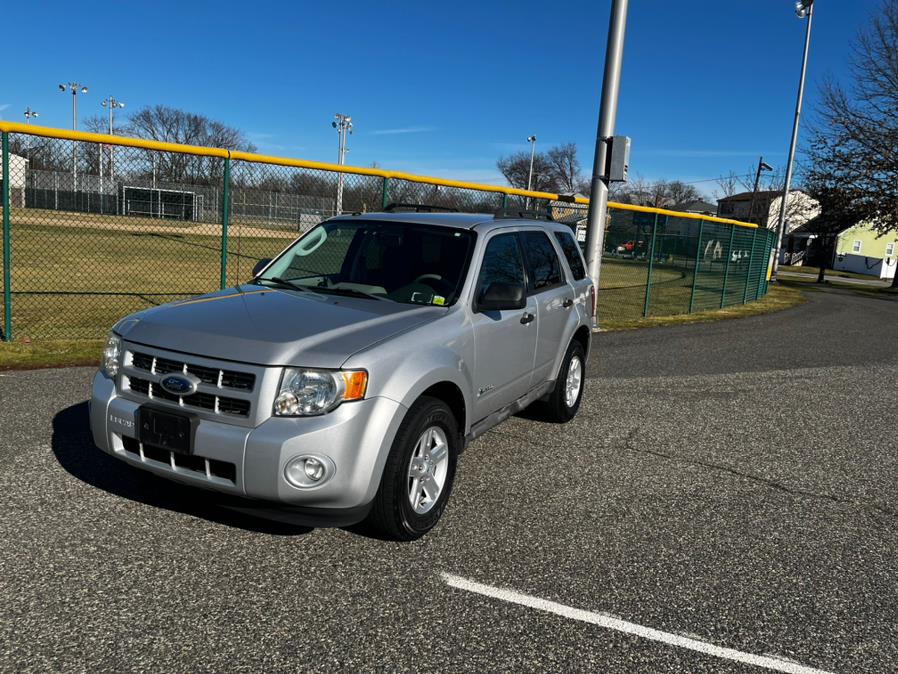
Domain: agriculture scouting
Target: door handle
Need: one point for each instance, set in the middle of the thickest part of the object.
(527, 318)
(568, 303)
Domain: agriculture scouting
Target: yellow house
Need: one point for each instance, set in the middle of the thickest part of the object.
(863, 250)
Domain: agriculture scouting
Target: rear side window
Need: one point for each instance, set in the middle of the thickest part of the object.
(501, 263)
(572, 253)
(543, 265)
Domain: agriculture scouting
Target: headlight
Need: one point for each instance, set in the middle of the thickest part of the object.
(307, 392)
(112, 355)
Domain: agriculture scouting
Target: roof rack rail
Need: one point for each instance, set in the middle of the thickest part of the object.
(418, 208)
(521, 214)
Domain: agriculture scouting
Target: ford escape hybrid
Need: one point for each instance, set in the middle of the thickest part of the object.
(341, 383)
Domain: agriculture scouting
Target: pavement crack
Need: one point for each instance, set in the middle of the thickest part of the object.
(629, 444)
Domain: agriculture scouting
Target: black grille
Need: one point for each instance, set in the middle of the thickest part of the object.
(190, 462)
(206, 401)
(241, 381)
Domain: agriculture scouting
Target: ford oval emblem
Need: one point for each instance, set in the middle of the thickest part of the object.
(179, 384)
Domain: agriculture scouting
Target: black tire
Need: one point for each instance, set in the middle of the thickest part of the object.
(392, 515)
(555, 407)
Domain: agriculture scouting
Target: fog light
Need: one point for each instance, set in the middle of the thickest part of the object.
(308, 471)
(314, 469)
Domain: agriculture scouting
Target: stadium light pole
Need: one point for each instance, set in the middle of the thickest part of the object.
(111, 103)
(75, 88)
(598, 202)
(343, 124)
(532, 141)
(29, 114)
(804, 9)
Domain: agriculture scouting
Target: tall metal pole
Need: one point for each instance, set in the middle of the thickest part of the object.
(532, 140)
(74, 87)
(111, 103)
(809, 13)
(74, 143)
(598, 202)
(342, 123)
(29, 113)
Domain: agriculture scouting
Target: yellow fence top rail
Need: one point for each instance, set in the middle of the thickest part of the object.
(125, 141)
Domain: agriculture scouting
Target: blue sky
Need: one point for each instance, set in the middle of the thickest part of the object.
(441, 88)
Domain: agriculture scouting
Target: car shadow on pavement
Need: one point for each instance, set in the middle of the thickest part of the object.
(77, 454)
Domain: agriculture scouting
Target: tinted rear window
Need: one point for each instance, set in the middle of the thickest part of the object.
(572, 253)
(543, 265)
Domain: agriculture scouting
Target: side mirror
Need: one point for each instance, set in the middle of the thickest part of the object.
(260, 265)
(502, 296)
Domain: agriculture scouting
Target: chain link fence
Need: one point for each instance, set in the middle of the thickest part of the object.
(94, 231)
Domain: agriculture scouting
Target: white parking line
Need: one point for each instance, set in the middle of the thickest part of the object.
(603, 620)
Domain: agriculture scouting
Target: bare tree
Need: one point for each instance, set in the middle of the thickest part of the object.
(680, 192)
(516, 169)
(171, 125)
(854, 147)
(556, 170)
(728, 184)
(564, 168)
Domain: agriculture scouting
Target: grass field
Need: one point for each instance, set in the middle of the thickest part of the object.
(73, 277)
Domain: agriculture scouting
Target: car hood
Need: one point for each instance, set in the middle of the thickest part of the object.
(267, 326)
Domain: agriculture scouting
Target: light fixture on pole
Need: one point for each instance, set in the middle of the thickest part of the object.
(532, 141)
(804, 9)
(762, 166)
(343, 125)
(111, 103)
(75, 88)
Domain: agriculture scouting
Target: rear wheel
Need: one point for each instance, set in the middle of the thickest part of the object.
(564, 400)
(419, 472)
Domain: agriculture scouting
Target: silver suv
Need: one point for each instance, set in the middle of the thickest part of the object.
(343, 381)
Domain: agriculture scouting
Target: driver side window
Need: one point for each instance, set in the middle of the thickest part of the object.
(502, 263)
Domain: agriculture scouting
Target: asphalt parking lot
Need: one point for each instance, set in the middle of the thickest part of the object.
(729, 484)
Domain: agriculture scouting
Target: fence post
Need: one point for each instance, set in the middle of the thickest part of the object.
(225, 212)
(385, 195)
(766, 263)
(7, 257)
(698, 252)
(751, 259)
(504, 201)
(726, 268)
(648, 278)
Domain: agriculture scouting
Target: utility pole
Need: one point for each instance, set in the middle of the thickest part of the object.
(343, 124)
(532, 141)
(29, 113)
(762, 166)
(805, 10)
(75, 88)
(598, 202)
(111, 103)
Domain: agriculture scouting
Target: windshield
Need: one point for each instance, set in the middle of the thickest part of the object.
(408, 263)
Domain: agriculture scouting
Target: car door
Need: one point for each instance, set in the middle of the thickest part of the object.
(504, 341)
(554, 297)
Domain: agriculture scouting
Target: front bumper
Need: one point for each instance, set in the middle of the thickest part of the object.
(248, 463)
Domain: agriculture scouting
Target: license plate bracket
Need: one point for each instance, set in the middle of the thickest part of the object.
(168, 430)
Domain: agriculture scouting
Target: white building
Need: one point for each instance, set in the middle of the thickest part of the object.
(18, 167)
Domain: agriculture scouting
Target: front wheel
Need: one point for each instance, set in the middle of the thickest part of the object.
(419, 472)
(564, 400)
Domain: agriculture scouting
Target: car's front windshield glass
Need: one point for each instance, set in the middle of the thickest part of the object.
(402, 262)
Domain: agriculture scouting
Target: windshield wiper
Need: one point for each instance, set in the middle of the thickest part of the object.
(351, 292)
(281, 283)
